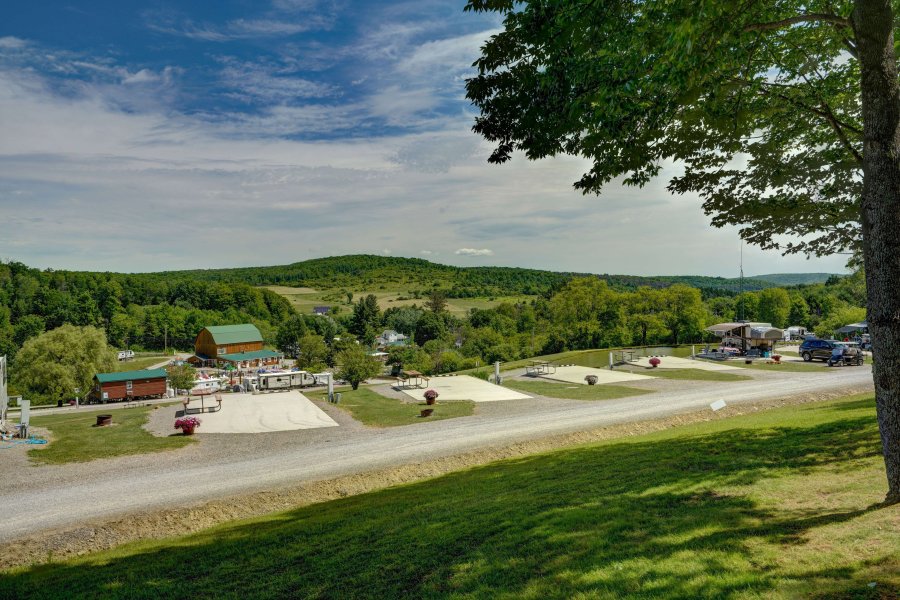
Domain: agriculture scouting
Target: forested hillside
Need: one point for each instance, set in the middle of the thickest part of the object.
(368, 272)
(524, 312)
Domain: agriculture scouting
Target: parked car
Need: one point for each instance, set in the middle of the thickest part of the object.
(818, 349)
(824, 349)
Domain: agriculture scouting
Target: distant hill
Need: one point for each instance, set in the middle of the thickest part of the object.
(785, 279)
(363, 272)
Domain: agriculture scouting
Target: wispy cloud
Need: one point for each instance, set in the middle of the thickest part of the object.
(270, 83)
(474, 252)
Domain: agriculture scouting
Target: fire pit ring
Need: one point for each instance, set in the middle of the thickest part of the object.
(104, 420)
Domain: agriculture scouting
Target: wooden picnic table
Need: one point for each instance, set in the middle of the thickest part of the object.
(540, 367)
(414, 378)
(218, 398)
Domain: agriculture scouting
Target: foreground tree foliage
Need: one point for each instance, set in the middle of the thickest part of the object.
(784, 114)
(51, 366)
(355, 366)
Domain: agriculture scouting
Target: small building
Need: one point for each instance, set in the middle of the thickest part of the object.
(218, 340)
(128, 385)
(321, 310)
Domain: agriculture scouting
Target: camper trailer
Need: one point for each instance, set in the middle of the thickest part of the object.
(267, 382)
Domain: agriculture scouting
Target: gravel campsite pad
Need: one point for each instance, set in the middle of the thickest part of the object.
(576, 374)
(674, 362)
(465, 387)
(260, 413)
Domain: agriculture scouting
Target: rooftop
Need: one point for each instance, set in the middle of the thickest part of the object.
(131, 375)
(234, 334)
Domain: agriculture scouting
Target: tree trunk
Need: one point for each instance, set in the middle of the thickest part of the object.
(880, 217)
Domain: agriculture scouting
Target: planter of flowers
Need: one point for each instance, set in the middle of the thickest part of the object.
(430, 397)
(654, 362)
(187, 425)
(591, 379)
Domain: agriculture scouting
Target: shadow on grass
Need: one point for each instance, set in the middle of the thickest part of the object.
(632, 519)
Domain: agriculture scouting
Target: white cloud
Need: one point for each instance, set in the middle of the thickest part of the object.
(10, 42)
(270, 83)
(426, 252)
(474, 252)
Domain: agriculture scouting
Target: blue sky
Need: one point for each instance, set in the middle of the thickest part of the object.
(163, 135)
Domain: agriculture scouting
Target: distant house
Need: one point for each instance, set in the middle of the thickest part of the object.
(128, 385)
(391, 338)
(239, 345)
(321, 310)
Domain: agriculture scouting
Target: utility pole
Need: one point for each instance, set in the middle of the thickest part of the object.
(166, 338)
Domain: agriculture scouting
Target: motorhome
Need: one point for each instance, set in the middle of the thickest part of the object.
(284, 381)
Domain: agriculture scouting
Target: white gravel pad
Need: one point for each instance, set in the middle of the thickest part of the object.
(674, 362)
(261, 413)
(577, 374)
(466, 387)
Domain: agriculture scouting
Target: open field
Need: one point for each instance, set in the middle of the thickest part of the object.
(372, 409)
(570, 391)
(305, 299)
(779, 504)
(74, 438)
(141, 362)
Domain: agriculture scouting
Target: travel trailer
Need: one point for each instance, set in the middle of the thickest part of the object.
(287, 380)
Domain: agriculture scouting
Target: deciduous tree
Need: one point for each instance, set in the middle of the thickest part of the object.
(51, 366)
(783, 114)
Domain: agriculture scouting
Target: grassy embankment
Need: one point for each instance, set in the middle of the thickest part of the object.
(778, 504)
(74, 437)
(371, 408)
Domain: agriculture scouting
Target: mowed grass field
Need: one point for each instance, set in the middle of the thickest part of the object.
(778, 504)
(75, 438)
(305, 299)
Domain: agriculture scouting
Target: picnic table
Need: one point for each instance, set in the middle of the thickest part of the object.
(540, 367)
(217, 398)
(412, 378)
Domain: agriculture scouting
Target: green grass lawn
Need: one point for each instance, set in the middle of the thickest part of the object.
(573, 391)
(75, 439)
(695, 374)
(140, 362)
(778, 504)
(796, 367)
(372, 409)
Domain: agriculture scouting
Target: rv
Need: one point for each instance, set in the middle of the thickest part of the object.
(284, 381)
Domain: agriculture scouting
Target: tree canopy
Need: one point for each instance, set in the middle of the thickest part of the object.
(757, 101)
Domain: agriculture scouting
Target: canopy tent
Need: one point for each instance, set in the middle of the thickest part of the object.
(854, 327)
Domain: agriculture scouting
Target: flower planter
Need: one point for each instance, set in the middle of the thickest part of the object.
(426, 412)
(654, 362)
(591, 379)
(187, 430)
(430, 401)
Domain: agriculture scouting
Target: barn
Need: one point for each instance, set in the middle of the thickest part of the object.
(128, 385)
(241, 345)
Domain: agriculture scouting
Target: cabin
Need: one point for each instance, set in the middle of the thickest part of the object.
(128, 385)
(321, 310)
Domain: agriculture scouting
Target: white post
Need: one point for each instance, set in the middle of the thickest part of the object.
(4, 399)
(24, 417)
(610, 360)
(497, 372)
(330, 387)
(693, 351)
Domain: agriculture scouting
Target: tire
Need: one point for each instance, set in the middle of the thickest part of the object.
(806, 356)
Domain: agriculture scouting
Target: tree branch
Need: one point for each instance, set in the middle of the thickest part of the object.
(804, 18)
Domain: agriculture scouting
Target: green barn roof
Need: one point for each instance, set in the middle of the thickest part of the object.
(130, 375)
(234, 334)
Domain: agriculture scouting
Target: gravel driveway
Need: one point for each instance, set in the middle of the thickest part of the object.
(45, 497)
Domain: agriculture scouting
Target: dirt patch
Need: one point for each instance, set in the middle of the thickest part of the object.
(93, 536)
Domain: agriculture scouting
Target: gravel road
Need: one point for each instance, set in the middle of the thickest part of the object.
(49, 497)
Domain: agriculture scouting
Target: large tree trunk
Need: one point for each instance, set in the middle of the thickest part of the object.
(873, 22)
